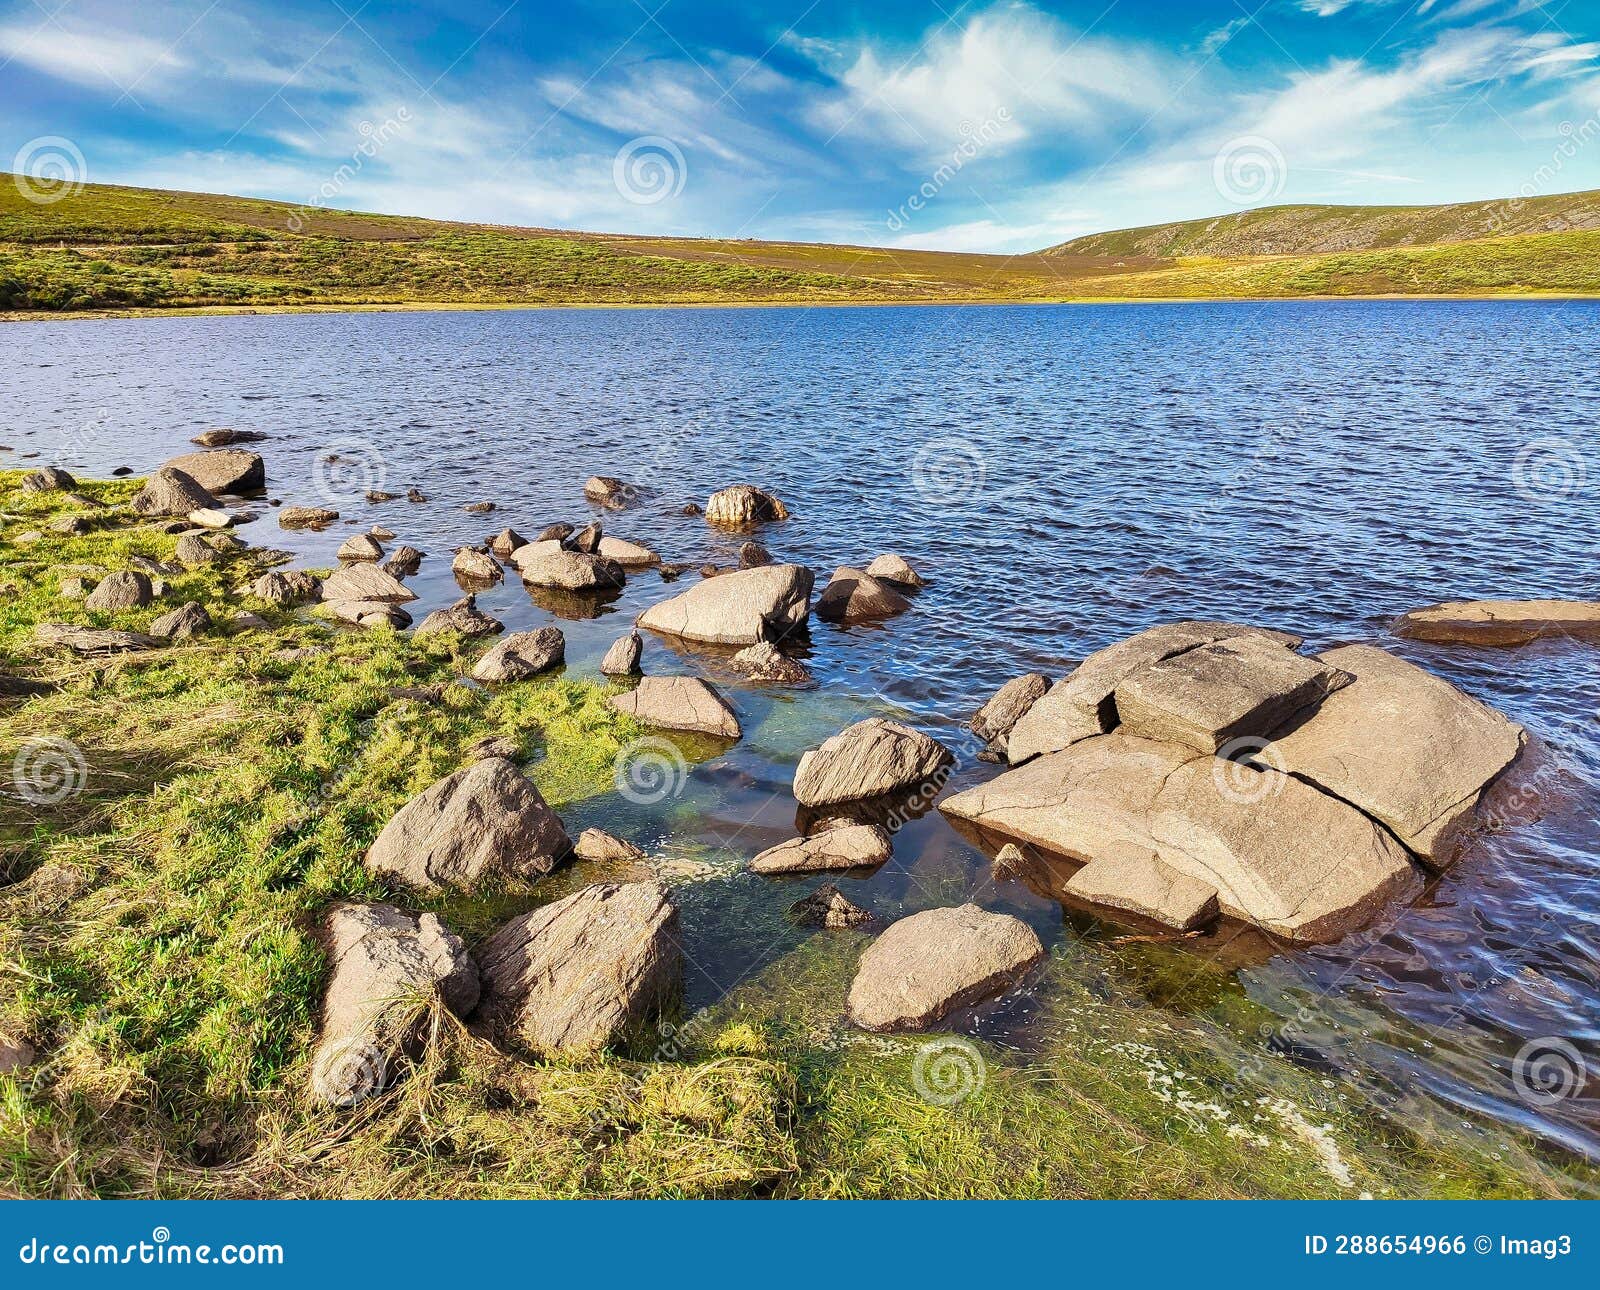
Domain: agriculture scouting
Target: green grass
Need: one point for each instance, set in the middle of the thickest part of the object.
(108, 248)
(158, 946)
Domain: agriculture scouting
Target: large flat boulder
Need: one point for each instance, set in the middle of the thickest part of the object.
(1403, 745)
(865, 760)
(223, 470)
(585, 973)
(1212, 695)
(926, 966)
(485, 821)
(90, 640)
(1501, 622)
(1281, 853)
(387, 966)
(1136, 881)
(1082, 704)
(679, 703)
(851, 847)
(737, 608)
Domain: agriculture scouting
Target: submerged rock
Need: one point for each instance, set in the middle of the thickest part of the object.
(622, 659)
(829, 907)
(484, 822)
(853, 846)
(598, 845)
(742, 505)
(585, 973)
(738, 608)
(928, 965)
(679, 703)
(764, 662)
(227, 470)
(171, 492)
(306, 517)
(522, 655)
(387, 968)
(118, 591)
(865, 760)
(853, 596)
(1403, 745)
(1501, 622)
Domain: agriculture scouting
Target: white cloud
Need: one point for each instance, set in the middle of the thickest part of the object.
(114, 60)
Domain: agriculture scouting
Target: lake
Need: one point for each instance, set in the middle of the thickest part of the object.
(1062, 476)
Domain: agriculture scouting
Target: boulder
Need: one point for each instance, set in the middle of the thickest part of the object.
(1081, 705)
(365, 582)
(1281, 853)
(1008, 705)
(211, 517)
(598, 845)
(118, 591)
(475, 567)
(584, 973)
(557, 533)
(679, 703)
(180, 624)
(306, 517)
(360, 546)
(570, 571)
(893, 568)
(1213, 695)
(1501, 622)
(47, 479)
(622, 659)
(868, 759)
(463, 617)
(1136, 881)
(75, 588)
(403, 561)
(851, 847)
(738, 608)
(226, 470)
(752, 555)
(630, 555)
(829, 907)
(485, 822)
(1403, 745)
(89, 640)
(193, 551)
(587, 540)
(505, 542)
(765, 663)
(71, 525)
(289, 587)
(522, 655)
(171, 492)
(606, 490)
(742, 505)
(228, 543)
(221, 437)
(853, 596)
(387, 967)
(928, 965)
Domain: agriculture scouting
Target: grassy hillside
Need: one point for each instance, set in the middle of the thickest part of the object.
(111, 248)
(1312, 230)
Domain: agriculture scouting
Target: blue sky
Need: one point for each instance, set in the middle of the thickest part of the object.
(979, 126)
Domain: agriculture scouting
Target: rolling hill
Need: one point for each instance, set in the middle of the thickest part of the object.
(103, 247)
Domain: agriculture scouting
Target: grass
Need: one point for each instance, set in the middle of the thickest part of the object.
(158, 947)
(108, 248)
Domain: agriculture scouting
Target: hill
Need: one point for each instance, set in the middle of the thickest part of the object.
(104, 247)
(1317, 230)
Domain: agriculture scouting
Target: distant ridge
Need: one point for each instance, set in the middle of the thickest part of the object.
(1325, 230)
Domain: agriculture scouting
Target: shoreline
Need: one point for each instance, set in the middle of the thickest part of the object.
(453, 306)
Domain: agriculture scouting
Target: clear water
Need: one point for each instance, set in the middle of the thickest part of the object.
(1063, 476)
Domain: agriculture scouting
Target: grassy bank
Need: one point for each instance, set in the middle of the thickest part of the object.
(158, 949)
(106, 248)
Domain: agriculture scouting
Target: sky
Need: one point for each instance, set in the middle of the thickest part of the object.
(975, 127)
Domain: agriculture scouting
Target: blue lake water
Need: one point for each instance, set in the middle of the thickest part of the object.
(1063, 476)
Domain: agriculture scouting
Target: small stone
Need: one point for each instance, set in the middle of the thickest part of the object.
(172, 492)
(118, 591)
(377, 496)
(605, 489)
(598, 845)
(416, 495)
(475, 567)
(289, 587)
(744, 504)
(868, 759)
(752, 555)
(505, 542)
(622, 659)
(852, 596)
(828, 907)
(211, 517)
(182, 623)
(495, 746)
(16, 1055)
(556, 533)
(361, 546)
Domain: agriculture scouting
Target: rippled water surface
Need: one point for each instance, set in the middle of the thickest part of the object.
(1063, 476)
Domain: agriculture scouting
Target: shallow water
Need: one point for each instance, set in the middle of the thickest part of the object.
(1063, 476)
